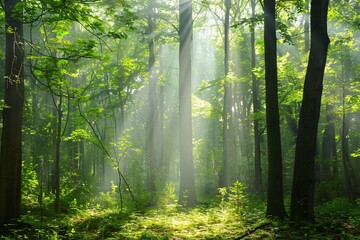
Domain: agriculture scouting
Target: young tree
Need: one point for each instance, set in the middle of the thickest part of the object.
(302, 197)
(275, 203)
(11, 157)
(187, 178)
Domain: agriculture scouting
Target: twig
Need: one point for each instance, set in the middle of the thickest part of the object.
(104, 148)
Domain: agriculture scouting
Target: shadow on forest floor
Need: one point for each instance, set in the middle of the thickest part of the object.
(198, 223)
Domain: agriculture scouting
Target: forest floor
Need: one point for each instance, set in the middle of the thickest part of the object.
(337, 220)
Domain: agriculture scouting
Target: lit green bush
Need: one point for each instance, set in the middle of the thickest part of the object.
(29, 188)
(168, 198)
(233, 198)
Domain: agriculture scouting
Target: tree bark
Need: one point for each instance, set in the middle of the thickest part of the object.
(256, 109)
(302, 197)
(224, 176)
(11, 157)
(275, 203)
(352, 187)
(59, 112)
(187, 176)
(152, 113)
(306, 27)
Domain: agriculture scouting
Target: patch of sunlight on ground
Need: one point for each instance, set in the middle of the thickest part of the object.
(190, 224)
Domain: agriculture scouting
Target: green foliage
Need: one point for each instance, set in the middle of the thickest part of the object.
(95, 53)
(75, 191)
(29, 189)
(78, 135)
(107, 200)
(340, 217)
(233, 198)
(198, 223)
(236, 196)
(201, 108)
(328, 190)
(168, 199)
(339, 207)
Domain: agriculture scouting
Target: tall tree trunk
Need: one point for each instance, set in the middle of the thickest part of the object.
(306, 27)
(103, 137)
(275, 203)
(302, 197)
(152, 113)
(160, 139)
(11, 157)
(224, 177)
(256, 109)
(57, 155)
(187, 176)
(352, 187)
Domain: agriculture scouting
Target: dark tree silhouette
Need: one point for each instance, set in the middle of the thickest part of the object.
(11, 157)
(275, 203)
(302, 197)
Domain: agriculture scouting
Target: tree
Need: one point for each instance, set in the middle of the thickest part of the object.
(11, 156)
(57, 136)
(352, 187)
(152, 113)
(256, 107)
(187, 178)
(302, 196)
(224, 176)
(275, 204)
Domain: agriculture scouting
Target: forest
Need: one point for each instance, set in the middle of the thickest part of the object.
(180, 119)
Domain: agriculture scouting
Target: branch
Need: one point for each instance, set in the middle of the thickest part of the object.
(104, 148)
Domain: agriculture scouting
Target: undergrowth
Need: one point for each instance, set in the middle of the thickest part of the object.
(234, 216)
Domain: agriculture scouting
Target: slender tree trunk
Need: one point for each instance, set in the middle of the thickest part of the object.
(352, 187)
(11, 157)
(83, 166)
(224, 177)
(187, 176)
(306, 27)
(94, 171)
(256, 109)
(302, 197)
(275, 203)
(160, 153)
(103, 155)
(57, 156)
(152, 113)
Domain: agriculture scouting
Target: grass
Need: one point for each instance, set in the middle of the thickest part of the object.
(338, 219)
